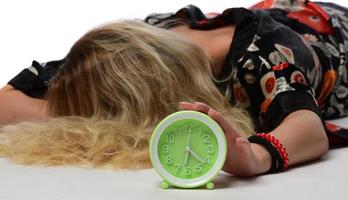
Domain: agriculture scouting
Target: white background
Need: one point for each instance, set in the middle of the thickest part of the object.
(45, 30)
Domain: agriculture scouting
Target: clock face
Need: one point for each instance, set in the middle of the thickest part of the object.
(188, 148)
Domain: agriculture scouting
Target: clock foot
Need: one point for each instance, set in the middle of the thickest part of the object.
(164, 185)
(210, 185)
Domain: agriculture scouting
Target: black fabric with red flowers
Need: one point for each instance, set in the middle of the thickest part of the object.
(308, 40)
(249, 74)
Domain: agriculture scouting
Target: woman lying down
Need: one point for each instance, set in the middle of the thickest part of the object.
(273, 72)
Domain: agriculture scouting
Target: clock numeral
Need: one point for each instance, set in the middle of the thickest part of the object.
(171, 138)
(198, 167)
(165, 149)
(178, 131)
(206, 138)
(187, 171)
(189, 129)
(200, 131)
(207, 160)
(177, 167)
(211, 149)
(169, 160)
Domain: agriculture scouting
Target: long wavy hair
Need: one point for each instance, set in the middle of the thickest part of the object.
(118, 81)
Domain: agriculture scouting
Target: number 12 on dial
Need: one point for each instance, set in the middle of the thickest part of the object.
(188, 149)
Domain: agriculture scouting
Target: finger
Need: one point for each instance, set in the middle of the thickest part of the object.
(185, 105)
(238, 159)
(201, 107)
(228, 129)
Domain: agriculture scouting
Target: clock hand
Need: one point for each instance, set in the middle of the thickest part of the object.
(186, 157)
(189, 136)
(187, 148)
(196, 156)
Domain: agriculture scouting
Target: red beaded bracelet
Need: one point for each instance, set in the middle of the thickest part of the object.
(276, 143)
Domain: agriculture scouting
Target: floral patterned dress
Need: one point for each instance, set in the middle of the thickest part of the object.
(286, 55)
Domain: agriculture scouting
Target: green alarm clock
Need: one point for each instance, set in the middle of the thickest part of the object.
(188, 149)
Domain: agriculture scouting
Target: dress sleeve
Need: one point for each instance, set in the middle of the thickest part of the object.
(292, 91)
(35, 80)
(163, 20)
(270, 92)
(285, 70)
(270, 88)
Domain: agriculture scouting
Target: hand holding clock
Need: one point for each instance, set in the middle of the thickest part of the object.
(243, 158)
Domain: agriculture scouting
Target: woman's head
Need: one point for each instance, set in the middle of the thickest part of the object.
(119, 80)
(133, 72)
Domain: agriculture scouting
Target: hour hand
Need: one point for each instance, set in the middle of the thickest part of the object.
(198, 157)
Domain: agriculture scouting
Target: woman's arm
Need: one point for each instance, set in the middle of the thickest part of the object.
(15, 106)
(301, 133)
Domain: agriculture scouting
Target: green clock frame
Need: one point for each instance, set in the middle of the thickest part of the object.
(187, 121)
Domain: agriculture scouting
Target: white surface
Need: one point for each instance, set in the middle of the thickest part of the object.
(45, 30)
(321, 180)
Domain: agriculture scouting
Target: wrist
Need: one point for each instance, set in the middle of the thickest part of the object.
(263, 158)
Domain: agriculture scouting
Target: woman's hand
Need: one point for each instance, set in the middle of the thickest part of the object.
(16, 107)
(243, 158)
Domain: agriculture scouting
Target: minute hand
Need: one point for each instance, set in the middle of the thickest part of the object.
(189, 130)
(187, 148)
(196, 156)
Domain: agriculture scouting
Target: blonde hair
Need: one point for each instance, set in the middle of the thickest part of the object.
(118, 81)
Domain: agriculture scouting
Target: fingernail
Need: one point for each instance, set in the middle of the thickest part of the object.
(183, 104)
(212, 110)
